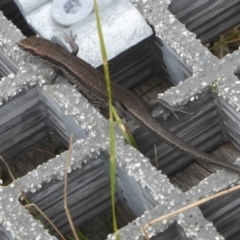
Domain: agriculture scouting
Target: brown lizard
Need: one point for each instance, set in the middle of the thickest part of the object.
(91, 83)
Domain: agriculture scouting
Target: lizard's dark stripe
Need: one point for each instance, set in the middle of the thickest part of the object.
(87, 78)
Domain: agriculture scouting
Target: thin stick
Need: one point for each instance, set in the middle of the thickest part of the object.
(195, 204)
(44, 151)
(9, 171)
(45, 216)
(156, 157)
(65, 189)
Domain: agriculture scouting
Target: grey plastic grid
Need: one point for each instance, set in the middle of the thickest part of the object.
(146, 191)
(207, 19)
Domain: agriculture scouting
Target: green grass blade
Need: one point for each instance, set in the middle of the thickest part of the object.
(111, 125)
(127, 135)
(224, 40)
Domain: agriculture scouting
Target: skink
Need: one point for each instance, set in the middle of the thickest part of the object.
(91, 83)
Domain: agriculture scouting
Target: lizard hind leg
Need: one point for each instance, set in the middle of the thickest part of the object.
(159, 102)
